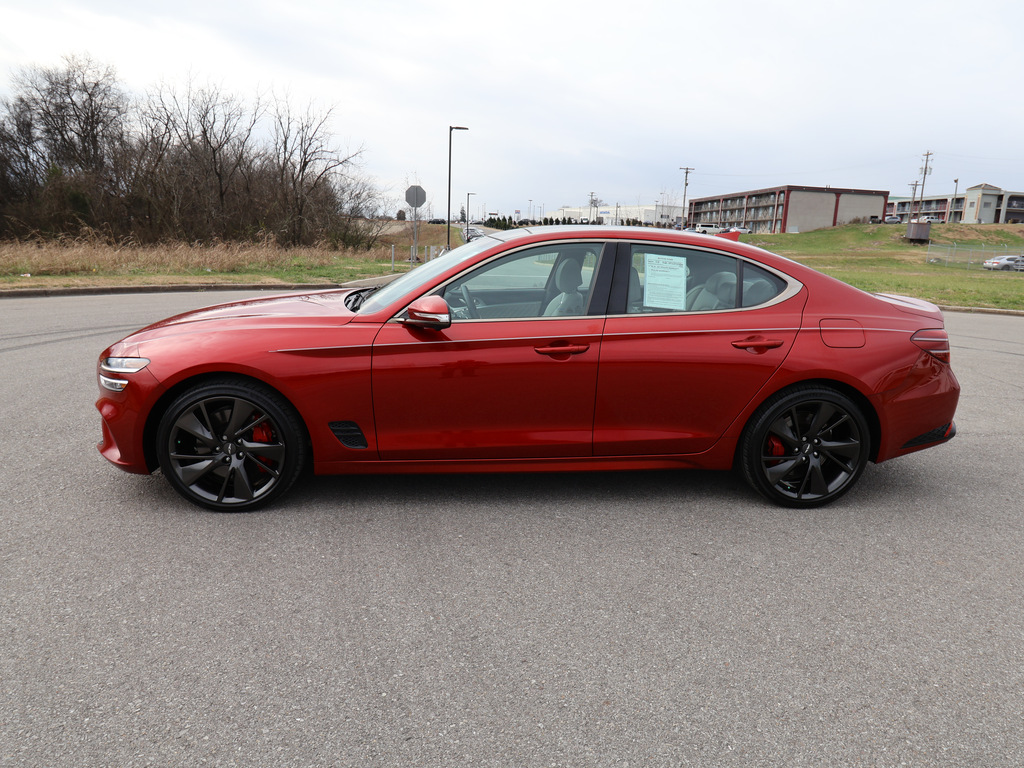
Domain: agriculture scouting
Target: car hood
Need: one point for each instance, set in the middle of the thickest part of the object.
(295, 309)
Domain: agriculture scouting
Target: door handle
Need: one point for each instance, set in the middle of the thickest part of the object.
(562, 349)
(757, 344)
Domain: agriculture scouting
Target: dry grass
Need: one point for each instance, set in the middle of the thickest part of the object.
(90, 260)
(80, 257)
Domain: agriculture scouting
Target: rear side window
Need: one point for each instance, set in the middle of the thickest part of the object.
(759, 285)
(665, 279)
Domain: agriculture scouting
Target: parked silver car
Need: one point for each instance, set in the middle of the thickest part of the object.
(1004, 262)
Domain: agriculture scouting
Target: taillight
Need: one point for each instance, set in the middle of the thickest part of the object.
(934, 341)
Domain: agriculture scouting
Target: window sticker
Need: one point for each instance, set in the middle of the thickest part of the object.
(665, 284)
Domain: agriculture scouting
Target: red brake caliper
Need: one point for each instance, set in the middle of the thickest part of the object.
(262, 433)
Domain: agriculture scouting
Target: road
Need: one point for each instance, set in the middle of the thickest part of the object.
(660, 619)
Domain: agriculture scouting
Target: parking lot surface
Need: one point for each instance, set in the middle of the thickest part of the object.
(608, 619)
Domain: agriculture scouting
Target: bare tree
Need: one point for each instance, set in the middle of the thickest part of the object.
(78, 110)
(362, 211)
(192, 164)
(58, 136)
(213, 135)
(22, 160)
(305, 163)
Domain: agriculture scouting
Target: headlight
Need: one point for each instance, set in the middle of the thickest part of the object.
(122, 365)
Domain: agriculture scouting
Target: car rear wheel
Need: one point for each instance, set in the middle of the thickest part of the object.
(805, 447)
(231, 446)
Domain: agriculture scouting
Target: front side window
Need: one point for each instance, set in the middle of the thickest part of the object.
(664, 279)
(553, 280)
(415, 279)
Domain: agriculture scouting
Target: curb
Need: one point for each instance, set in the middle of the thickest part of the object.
(18, 293)
(982, 310)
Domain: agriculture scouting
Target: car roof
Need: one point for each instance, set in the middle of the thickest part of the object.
(795, 269)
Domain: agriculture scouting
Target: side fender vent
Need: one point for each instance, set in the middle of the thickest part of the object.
(349, 434)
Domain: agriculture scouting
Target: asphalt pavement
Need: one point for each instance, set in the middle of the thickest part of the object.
(609, 619)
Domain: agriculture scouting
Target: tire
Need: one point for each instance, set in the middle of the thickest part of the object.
(231, 446)
(805, 447)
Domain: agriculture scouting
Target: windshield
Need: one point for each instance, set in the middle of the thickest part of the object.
(415, 278)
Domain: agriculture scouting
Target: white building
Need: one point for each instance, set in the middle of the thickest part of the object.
(980, 204)
(617, 215)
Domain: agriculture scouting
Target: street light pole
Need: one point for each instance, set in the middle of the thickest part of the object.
(449, 220)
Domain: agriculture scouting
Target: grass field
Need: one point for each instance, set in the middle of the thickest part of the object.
(872, 257)
(877, 258)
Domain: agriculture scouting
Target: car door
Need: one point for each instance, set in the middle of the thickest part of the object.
(505, 380)
(696, 333)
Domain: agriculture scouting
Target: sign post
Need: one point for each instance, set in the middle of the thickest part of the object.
(415, 197)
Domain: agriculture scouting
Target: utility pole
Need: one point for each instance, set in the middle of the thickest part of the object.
(686, 183)
(925, 170)
(910, 215)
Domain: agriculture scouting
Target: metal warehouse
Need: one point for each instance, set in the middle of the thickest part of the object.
(789, 208)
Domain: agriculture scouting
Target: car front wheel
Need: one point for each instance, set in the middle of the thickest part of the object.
(805, 447)
(231, 445)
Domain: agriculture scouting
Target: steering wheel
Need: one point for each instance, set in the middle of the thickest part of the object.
(470, 303)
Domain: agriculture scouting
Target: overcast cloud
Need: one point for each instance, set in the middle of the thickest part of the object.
(611, 98)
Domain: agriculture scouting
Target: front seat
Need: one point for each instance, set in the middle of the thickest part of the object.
(569, 300)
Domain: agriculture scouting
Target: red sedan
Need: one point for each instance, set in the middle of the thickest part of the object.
(561, 348)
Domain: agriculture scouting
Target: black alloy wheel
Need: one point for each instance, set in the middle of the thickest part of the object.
(805, 447)
(231, 445)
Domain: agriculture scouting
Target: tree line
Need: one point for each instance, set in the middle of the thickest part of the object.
(79, 153)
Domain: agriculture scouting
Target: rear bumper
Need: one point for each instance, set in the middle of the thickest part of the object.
(920, 413)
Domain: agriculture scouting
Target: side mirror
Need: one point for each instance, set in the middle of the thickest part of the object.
(429, 312)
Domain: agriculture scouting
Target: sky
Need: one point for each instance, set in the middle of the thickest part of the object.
(567, 100)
